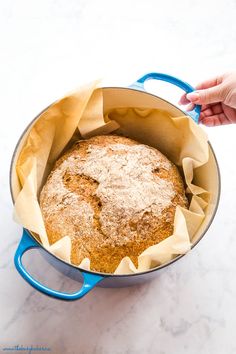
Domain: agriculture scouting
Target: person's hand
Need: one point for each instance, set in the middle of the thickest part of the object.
(218, 99)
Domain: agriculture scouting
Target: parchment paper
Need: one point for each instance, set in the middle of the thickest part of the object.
(80, 115)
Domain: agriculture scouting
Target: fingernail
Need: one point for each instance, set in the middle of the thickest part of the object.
(193, 96)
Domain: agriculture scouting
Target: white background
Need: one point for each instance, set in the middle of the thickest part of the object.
(48, 48)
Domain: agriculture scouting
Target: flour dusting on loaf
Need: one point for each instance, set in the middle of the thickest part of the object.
(114, 197)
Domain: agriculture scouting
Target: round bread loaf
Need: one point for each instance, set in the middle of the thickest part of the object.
(114, 197)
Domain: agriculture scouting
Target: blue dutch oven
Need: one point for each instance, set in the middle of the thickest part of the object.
(115, 97)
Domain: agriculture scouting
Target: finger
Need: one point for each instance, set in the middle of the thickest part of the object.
(183, 100)
(210, 110)
(203, 109)
(215, 120)
(203, 85)
(210, 95)
(191, 106)
(209, 122)
(207, 113)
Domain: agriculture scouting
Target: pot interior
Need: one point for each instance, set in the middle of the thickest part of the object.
(114, 97)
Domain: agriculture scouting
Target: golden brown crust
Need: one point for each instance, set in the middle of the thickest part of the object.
(79, 200)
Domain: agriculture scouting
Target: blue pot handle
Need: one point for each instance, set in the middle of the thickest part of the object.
(139, 84)
(26, 243)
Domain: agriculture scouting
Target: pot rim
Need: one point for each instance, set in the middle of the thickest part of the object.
(112, 274)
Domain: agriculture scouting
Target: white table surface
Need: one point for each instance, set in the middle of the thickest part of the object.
(48, 48)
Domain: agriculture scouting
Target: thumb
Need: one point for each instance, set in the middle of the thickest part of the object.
(210, 95)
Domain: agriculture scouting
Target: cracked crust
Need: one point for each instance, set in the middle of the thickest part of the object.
(114, 197)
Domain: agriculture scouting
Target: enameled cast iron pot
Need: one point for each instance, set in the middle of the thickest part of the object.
(115, 97)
